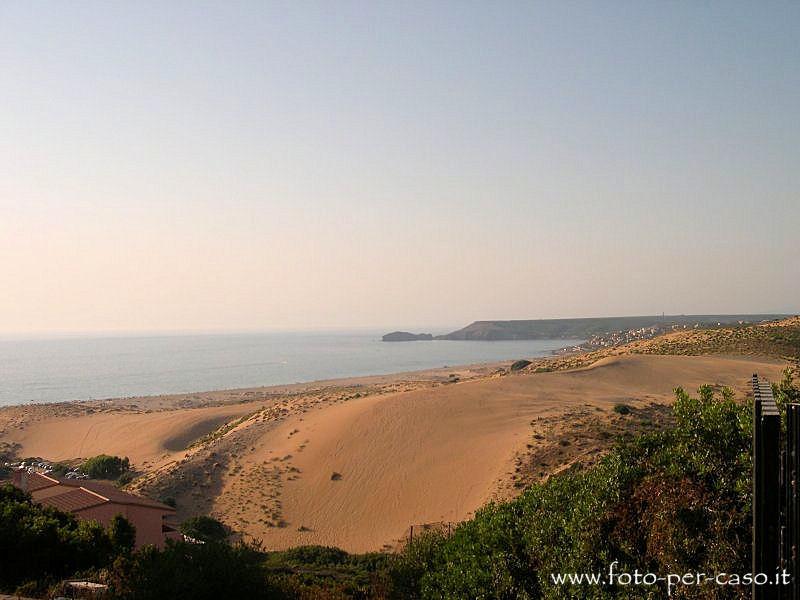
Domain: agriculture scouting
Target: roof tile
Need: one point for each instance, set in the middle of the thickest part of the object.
(73, 500)
(37, 481)
(115, 495)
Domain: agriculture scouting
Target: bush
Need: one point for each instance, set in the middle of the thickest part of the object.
(622, 409)
(59, 469)
(313, 555)
(205, 529)
(520, 364)
(124, 479)
(786, 392)
(326, 572)
(197, 571)
(104, 466)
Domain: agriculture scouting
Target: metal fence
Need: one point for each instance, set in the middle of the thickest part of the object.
(776, 514)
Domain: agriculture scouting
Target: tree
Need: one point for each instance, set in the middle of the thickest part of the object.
(122, 534)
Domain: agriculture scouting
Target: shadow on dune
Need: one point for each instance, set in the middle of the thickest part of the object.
(184, 439)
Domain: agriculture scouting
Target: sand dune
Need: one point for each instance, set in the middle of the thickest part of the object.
(146, 438)
(429, 454)
(437, 455)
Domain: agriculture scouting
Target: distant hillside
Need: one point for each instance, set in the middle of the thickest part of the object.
(585, 328)
(777, 339)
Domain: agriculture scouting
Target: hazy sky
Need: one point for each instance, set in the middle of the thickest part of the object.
(228, 165)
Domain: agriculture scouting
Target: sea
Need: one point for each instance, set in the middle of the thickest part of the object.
(83, 368)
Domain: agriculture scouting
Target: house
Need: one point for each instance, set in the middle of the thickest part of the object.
(95, 501)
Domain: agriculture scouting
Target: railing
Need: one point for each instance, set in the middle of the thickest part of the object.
(776, 512)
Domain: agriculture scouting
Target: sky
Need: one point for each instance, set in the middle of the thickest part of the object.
(185, 166)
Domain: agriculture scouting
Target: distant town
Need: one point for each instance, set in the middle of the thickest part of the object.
(618, 338)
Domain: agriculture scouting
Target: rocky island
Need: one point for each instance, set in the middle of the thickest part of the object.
(405, 336)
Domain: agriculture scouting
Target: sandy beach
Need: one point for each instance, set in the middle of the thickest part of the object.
(356, 462)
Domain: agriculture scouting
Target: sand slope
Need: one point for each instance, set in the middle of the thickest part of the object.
(145, 438)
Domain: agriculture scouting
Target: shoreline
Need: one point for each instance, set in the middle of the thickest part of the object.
(128, 368)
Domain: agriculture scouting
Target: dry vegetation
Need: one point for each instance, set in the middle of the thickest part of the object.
(580, 437)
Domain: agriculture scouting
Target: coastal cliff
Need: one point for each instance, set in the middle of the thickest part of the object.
(584, 328)
(539, 329)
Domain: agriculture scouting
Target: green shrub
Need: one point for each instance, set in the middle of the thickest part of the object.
(59, 469)
(786, 392)
(196, 571)
(325, 572)
(313, 555)
(124, 479)
(104, 466)
(622, 409)
(205, 529)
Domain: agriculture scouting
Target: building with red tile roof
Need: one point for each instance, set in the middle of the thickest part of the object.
(96, 501)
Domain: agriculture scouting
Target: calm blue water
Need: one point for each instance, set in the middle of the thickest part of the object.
(53, 370)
